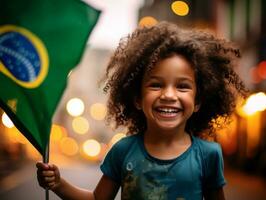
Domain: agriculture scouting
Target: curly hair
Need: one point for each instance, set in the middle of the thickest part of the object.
(212, 59)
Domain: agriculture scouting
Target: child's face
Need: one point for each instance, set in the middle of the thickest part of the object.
(168, 94)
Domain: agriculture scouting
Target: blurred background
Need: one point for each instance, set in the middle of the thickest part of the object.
(79, 136)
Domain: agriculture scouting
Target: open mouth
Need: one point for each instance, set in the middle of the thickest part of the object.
(167, 112)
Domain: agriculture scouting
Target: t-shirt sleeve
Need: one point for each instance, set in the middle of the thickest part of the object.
(214, 175)
(112, 164)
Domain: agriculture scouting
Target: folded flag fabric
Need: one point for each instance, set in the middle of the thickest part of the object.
(40, 42)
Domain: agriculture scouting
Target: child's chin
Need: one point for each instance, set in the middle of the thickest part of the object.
(168, 126)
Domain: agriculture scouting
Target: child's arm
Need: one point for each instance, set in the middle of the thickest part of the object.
(217, 194)
(49, 177)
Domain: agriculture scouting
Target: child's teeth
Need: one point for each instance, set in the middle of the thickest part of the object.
(168, 110)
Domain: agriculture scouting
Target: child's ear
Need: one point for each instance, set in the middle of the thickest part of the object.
(197, 107)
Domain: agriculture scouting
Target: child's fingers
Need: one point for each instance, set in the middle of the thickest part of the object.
(49, 179)
(45, 178)
(46, 181)
(45, 173)
(45, 169)
(55, 170)
(46, 166)
(48, 173)
(51, 186)
(41, 165)
(49, 183)
(53, 167)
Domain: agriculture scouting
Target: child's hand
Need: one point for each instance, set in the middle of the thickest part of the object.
(48, 175)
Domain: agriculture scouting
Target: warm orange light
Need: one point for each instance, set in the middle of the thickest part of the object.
(15, 135)
(227, 137)
(255, 103)
(57, 133)
(98, 111)
(68, 146)
(262, 69)
(147, 21)
(80, 125)
(180, 8)
(91, 148)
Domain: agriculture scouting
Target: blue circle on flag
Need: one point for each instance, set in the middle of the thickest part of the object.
(19, 56)
(23, 56)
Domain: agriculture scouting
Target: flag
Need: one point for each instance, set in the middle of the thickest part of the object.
(40, 42)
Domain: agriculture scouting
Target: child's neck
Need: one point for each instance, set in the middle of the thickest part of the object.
(166, 145)
(162, 136)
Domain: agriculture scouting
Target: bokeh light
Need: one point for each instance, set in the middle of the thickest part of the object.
(180, 8)
(91, 148)
(80, 125)
(255, 103)
(147, 21)
(68, 146)
(57, 133)
(75, 107)
(15, 136)
(7, 121)
(98, 111)
(262, 69)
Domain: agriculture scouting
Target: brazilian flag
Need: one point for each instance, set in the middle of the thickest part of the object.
(40, 42)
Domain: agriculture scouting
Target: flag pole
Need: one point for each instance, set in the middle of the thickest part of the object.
(46, 160)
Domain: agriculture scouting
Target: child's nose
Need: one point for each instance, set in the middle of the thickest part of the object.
(169, 93)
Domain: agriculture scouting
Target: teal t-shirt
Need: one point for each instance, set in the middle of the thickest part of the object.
(143, 177)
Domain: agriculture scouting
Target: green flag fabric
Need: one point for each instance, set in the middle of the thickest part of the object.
(40, 42)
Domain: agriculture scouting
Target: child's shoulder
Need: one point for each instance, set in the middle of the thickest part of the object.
(207, 147)
(126, 142)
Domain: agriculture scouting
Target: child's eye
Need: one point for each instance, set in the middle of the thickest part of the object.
(155, 85)
(183, 86)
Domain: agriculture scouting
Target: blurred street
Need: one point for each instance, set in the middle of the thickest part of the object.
(22, 184)
(79, 136)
